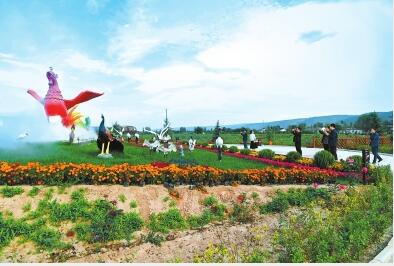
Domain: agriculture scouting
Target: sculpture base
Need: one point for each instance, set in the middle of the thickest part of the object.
(104, 155)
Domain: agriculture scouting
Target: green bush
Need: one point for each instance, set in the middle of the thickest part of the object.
(166, 221)
(224, 148)
(279, 203)
(267, 153)
(213, 211)
(153, 238)
(233, 149)
(9, 192)
(292, 156)
(245, 151)
(323, 159)
(34, 191)
(204, 144)
(353, 163)
(343, 231)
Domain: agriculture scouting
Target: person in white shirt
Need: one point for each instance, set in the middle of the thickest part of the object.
(128, 135)
(253, 140)
(192, 143)
(219, 146)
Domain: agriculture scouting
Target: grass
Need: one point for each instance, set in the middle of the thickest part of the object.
(9, 192)
(87, 153)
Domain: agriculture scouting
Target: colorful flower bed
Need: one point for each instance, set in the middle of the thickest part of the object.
(157, 173)
(279, 160)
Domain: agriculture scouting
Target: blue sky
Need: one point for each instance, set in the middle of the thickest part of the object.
(230, 60)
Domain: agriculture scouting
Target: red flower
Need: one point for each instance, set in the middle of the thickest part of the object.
(241, 198)
(342, 187)
(70, 234)
(315, 185)
(364, 170)
(160, 164)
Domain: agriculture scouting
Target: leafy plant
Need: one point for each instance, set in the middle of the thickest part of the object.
(267, 153)
(133, 204)
(293, 156)
(154, 238)
(34, 191)
(9, 192)
(323, 159)
(233, 149)
(245, 151)
(166, 221)
(122, 198)
(26, 207)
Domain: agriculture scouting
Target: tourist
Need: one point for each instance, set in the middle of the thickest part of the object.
(219, 146)
(333, 141)
(253, 140)
(192, 143)
(324, 140)
(137, 137)
(72, 134)
(244, 135)
(374, 136)
(297, 139)
(181, 150)
(128, 135)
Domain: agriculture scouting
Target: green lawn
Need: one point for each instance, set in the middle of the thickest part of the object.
(47, 153)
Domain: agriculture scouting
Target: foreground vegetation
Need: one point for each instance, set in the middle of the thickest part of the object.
(337, 228)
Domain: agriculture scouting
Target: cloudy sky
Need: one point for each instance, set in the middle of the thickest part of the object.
(231, 60)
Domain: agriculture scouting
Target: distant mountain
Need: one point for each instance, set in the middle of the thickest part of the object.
(308, 121)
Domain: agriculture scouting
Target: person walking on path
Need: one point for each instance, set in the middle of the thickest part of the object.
(324, 140)
(253, 140)
(219, 146)
(244, 135)
(333, 141)
(375, 145)
(297, 139)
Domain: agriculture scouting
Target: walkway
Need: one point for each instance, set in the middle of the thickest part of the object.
(309, 152)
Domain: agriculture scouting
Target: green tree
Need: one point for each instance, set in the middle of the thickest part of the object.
(198, 130)
(368, 121)
(182, 129)
(216, 131)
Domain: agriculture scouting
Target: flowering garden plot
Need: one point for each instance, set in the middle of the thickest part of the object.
(307, 165)
(158, 173)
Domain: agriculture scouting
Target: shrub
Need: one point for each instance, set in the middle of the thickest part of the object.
(213, 211)
(153, 238)
(9, 192)
(323, 159)
(204, 144)
(279, 203)
(166, 221)
(267, 153)
(225, 148)
(344, 231)
(47, 239)
(293, 156)
(353, 163)
(122, 198)
(133, 204)
(233, 149)
(245, 151)
(34, 191)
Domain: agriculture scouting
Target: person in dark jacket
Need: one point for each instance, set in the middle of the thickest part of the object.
(297, 139)
(333, 141)
(324, 140)
(244, 135)
(375, 145)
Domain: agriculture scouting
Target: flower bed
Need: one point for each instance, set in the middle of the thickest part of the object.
(279, 160)
(157, 173)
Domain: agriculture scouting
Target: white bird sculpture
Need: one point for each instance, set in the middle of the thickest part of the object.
(22, 136)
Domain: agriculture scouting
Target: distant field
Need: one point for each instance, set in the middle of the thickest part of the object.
(47, 153)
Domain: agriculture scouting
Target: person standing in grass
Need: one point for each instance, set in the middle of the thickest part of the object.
(137, 137)
(244, 135)
(192, 143)
(219, 146)
(374, 136)
(297, 139)
(333, 140)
